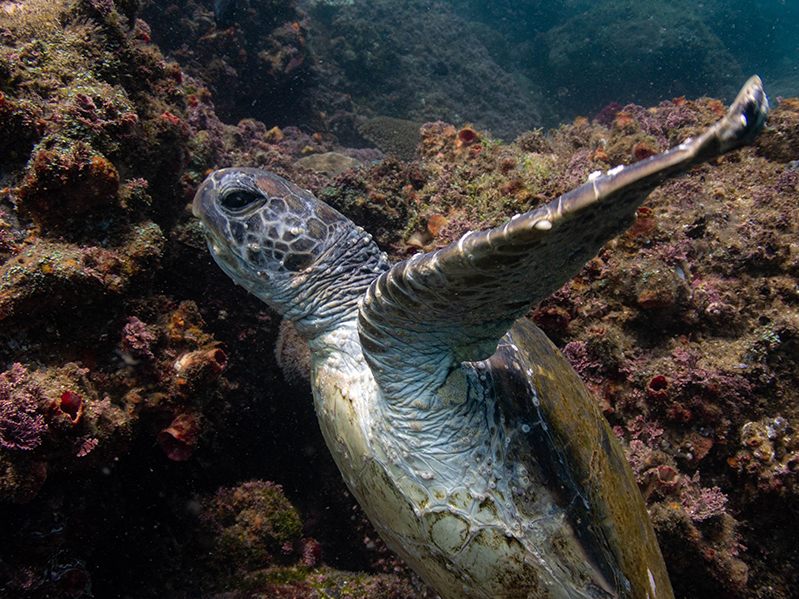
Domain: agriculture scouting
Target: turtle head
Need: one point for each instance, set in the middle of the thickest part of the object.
(299, 255)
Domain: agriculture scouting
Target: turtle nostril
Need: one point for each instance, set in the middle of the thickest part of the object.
(236, 201)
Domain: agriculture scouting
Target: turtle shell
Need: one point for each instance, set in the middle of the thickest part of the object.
(548, 504)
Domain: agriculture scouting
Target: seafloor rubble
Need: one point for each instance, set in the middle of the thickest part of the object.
(139, 392)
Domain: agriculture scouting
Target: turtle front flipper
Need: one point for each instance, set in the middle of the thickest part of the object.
(436, 310)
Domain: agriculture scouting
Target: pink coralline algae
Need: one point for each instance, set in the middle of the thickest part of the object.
(21, 426)
(87, 446)
(606, 116)
(137, 339)
(311, 552)
(104, 119)
(577, 355)
(702, 503)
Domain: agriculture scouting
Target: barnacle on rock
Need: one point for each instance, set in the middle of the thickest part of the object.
(467, 136)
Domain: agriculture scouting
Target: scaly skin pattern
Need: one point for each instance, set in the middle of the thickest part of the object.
(472, 445)
(461, 493)
(449, 478)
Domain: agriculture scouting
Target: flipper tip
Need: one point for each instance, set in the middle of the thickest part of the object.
(747, 114)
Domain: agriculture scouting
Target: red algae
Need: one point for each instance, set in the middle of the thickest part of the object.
(71, 404)
(131, 367)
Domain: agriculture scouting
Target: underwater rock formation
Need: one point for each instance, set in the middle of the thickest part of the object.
(257, 65)
(397, 137)
(116, 331)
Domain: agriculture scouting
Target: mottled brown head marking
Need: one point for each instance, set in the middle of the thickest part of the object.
(285, 246)
(271, 187)
(262, 228)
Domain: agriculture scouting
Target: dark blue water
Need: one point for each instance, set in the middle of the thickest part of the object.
(503, 65)
(586, 53)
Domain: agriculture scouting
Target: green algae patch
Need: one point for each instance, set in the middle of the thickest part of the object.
(253, 525)
(323, 582)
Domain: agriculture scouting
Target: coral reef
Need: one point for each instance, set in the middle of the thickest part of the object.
(253, 525)
(257, 66)
(768, 460)
(393, 136)
(134, 378)
(254, 542)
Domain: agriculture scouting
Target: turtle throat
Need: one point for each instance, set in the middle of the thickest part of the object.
(326, 294)
(319, 297)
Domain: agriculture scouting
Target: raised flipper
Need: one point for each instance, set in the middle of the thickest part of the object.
(436, 310)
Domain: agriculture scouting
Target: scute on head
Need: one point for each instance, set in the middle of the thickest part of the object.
(271, 186)
(261, 227)
(327, 214)
(294, 203)
(277, 205)
(315, 228)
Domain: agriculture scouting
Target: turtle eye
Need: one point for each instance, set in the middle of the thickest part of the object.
(236, 201)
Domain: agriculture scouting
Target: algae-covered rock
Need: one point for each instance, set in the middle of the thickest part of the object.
(393, 136)
(330, 164)
(254, 525)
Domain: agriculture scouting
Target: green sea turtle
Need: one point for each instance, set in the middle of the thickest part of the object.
(472, 445)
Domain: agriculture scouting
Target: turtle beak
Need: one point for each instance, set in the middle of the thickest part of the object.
(215, 223)
(204, 198)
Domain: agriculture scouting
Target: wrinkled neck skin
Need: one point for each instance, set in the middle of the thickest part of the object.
(319, 299)
(415, 438)
(324, 306)
(412, 434)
